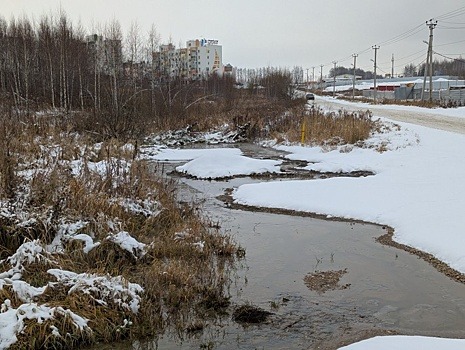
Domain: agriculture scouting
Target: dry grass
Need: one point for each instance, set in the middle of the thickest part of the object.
(257, 111)
(321, 128)
(323, 281)
(185, 271)
(39, 336)
(337, 128)
(180, 277)
(270, 119)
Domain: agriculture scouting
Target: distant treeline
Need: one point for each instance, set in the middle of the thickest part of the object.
(455, 67)
(340, 70)
(53, 64)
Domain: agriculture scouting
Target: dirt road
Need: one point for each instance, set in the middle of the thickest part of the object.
(429, 118)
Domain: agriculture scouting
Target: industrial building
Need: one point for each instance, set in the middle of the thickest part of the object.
(446, 89)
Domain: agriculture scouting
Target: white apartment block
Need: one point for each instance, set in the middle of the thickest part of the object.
(205, 57)
(199, 59)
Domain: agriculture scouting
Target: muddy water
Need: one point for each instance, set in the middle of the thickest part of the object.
(390, 290)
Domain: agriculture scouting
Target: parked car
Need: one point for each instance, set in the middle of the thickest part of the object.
(310, 97)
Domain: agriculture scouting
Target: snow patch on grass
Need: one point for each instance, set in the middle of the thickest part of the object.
(102, 289)
(12, 321)
(128, 243)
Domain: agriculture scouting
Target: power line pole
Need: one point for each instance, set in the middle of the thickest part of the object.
(321, 75)
(334, 78)
(313, 77)
(353, 82)
(376, 48)
(429, 61)
(431, 26)
(425, 75)
(307, 81)
(392, 67)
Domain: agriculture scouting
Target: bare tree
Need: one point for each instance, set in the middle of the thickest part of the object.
(113, 60)
(153, 42)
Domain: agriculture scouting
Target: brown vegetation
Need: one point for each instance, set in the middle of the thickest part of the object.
(323, 281)
(245, 314)
(337, 128)
(64, 113)
(181, 276)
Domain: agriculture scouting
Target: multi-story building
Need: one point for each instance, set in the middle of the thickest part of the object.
(205, 58)
(108, 53)
(170, 62)
(199, 59)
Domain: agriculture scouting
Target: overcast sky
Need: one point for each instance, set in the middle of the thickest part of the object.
(257, 33)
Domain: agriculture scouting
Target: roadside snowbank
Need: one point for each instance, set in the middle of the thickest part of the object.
(458, 112)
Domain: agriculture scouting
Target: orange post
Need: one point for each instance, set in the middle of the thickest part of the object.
(302, 133)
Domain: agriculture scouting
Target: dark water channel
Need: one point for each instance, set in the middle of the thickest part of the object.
(390, 290)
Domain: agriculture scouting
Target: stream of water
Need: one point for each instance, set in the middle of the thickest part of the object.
(390, 290)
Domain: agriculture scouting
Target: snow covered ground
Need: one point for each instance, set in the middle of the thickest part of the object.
(451, 119)
(214, 163)
(400, 342)
(447, 112)
(418, 188)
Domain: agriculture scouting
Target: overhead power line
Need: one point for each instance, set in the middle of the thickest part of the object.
(455, 23)
(455, 13)
(455, 42)
(443, 18)
(402, 58)
(450, 58)
(390, 41)
(447, 27)
(403, 36)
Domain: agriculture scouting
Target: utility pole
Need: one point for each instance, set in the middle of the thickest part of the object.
(307, 79)
(321, 75)
(425, 74)
(429, 61)
(376, 48)
(313, 77)
(392, 67)
(334, 78)
(353, 82)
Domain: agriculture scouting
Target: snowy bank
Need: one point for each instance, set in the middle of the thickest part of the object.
(400, 342)
(216, 163)
(418, 189)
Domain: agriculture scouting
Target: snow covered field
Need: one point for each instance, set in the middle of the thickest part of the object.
(418, 188)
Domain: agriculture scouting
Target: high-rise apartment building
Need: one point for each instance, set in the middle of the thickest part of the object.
(199, 59)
